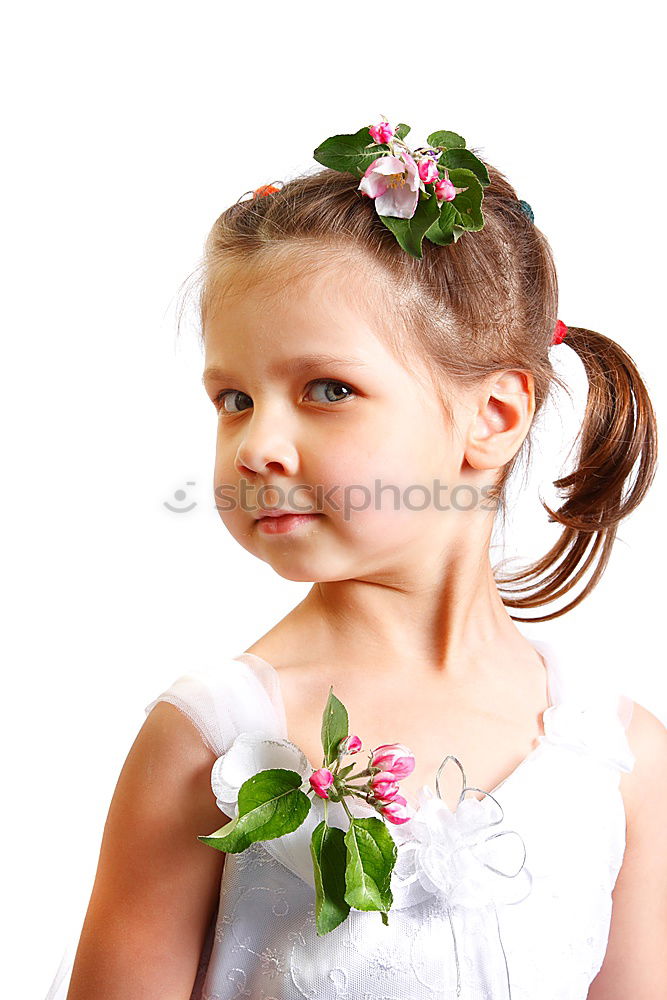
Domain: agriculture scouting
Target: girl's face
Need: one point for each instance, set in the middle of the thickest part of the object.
(315, 413)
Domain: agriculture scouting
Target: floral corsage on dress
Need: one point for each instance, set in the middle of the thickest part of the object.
(356, 868)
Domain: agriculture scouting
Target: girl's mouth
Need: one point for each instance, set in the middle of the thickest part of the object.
(284, 523)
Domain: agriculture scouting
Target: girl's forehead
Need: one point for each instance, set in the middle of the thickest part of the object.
(290, 275)
(285, 342)
(319, 310)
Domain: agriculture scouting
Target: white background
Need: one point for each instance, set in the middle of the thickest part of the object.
(128, 128)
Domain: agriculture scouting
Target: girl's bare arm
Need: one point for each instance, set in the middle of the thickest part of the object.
(635, 964)
(156, 886)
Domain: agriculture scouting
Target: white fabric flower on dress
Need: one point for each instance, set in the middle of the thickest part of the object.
(249, 753)
(591, 727)
(458, 855)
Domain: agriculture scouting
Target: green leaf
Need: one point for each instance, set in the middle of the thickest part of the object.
(437, 236)
(329, 854)
(450, 140)
(335, 727)
(270, 803)
(349, 153)
(371, 856)
(401, 131)
(410, 232)
(463, 158)
(441, 230)
(468, 203)
(344, 771)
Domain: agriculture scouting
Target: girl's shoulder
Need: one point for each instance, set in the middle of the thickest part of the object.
(647, 782)
(641, 887)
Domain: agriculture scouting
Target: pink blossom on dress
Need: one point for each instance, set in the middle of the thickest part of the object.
(397, 811)
(394, 757)
(382, 132)
(393, 182)
(320, 781)
(350, 745)
(384, 785)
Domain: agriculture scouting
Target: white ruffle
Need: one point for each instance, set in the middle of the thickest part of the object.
(459, 855)
(593, 728)
(249, 753)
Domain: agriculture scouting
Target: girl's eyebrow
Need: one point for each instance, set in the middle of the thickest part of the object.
(304, 363)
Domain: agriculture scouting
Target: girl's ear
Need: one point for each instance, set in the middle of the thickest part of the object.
(503, 414)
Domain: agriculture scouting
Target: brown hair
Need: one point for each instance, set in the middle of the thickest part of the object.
(483, 304)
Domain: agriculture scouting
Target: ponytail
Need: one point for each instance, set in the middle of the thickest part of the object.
(619, 432)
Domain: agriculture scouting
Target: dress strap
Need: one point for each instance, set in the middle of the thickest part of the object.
(587, 710)
(625, 707)
(223, 701)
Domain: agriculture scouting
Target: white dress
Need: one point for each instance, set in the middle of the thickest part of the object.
(508, 896)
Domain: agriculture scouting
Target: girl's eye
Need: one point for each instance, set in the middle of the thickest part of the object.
(229, 397)
(348, 390)
(220, 399)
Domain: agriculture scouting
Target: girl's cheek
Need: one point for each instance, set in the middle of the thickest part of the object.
(363, 491)
(380, 486)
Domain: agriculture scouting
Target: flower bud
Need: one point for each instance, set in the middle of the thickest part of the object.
(384, 785)
(320, 781)
(352, 744)
(382, 132)
(394, 758)
(397, 811)
(428, 170)
(445, 190)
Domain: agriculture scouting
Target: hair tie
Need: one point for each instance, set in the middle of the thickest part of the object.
(526, 209)
(264, 189)
(560, 333)
(260, 192)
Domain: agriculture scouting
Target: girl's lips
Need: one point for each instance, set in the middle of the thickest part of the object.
(286, 522)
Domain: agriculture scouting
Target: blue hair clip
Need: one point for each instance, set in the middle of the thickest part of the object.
(526, 209)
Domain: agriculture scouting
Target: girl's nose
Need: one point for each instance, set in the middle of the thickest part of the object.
(266, 449)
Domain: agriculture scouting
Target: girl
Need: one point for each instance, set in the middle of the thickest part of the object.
(373, 394)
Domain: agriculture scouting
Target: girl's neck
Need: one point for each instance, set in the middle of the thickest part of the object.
(398, 631)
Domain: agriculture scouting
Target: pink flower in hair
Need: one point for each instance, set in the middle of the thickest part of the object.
(393, 182)
(428, 170)
(445, 190)
(382, 132)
